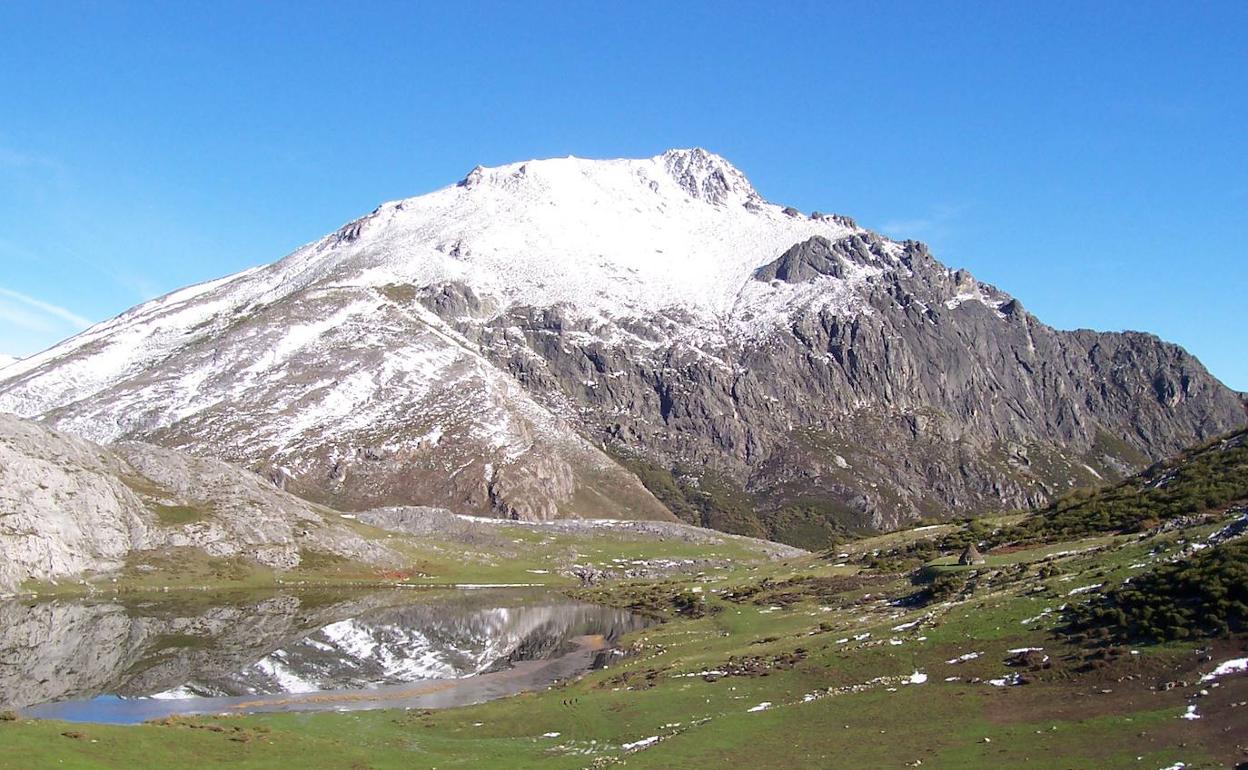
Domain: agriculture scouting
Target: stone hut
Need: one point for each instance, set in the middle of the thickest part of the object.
(971, 556)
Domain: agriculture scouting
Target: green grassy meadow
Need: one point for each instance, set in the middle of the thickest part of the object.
(855, 670)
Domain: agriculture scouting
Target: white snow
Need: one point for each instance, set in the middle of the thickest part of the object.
(963, 658)
(329, 355)
(613, 238)
(708, 672)
(283, 676)
(1229, 667)
(760, 707)
(978, 292)
(1044, 613)
(350, 637)
(1083, 589)
(177, 693)
(607, 239)
(641, 744)
(1190, 713)
(918, 677)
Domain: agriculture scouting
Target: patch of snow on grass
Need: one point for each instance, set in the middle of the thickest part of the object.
(1084, 589)
(1229, 667)
(641, 744)
(1037, 618)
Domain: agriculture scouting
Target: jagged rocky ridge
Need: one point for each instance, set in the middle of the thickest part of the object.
(524, 342)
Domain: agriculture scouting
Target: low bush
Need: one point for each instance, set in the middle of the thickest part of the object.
(1205, 595)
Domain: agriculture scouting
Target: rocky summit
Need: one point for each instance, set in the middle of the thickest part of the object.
(626, 339)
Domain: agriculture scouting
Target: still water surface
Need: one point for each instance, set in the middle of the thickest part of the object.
(134, 659)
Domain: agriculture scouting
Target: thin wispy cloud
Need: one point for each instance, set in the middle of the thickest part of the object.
(14, 158)
(937, 224)
(32, 313)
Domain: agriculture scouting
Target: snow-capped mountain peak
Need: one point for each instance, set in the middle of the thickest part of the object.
(608, 238)
(482, 346)
(698, 174)
(706, 176)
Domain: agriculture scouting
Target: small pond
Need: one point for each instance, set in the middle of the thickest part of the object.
(131, 659)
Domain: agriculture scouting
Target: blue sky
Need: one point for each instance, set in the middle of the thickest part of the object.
(1089, 158)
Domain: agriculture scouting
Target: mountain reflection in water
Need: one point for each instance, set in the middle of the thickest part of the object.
(127, 660)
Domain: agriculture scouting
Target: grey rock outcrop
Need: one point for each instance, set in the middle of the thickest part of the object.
(803, 262)
(69, 507)
(941, 395)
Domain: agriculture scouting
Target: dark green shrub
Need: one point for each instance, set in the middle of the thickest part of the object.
(1205, 595)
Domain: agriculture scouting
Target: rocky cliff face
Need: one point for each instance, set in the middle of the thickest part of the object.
(935, 394)
(531, 341)
(68, 507)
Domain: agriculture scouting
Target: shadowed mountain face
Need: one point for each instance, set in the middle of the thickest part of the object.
(533, 340)
(284, 643)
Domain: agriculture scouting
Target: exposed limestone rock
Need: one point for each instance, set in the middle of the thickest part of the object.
(68, 507)
(945, 395)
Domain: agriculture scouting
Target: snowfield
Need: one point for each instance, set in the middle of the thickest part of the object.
(385, 362)
(602, 239)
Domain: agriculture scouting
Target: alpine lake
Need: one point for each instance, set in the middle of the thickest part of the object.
(132, 658)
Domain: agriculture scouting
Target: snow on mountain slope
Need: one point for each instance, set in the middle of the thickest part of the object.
(615, 239)
(483, 346)
(6, 360)
(623, 238)
(303, 366)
